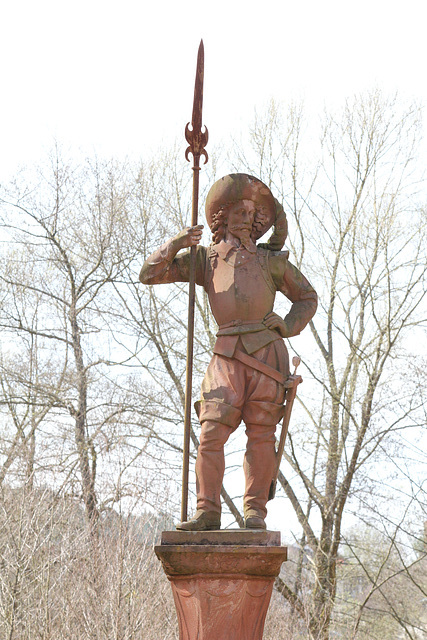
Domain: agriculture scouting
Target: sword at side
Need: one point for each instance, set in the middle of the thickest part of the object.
(291, 391)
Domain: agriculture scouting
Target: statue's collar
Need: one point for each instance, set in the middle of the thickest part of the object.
(223, 248)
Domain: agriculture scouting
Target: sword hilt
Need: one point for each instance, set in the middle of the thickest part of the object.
(296, 361)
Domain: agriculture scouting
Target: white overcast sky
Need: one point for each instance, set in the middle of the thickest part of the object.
(117, 77)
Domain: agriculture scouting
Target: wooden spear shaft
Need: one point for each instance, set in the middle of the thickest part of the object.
(197, 139)
(190, 347)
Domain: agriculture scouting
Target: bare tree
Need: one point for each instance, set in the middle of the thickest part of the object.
(357, 224)
(61, 256)
(53, 586)
(382, 582)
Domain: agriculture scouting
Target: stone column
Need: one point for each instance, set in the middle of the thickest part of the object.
(221, 580)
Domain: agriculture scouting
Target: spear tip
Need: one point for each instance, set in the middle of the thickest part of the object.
(194, 136)
(201, 51)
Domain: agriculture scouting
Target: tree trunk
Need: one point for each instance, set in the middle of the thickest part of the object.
(323, 595)
(82, 440)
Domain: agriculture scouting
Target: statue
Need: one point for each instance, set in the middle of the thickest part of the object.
(245, 379)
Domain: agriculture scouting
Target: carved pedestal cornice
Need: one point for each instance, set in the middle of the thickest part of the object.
(221, 581)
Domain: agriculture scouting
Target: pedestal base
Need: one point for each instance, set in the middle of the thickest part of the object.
(221, 581)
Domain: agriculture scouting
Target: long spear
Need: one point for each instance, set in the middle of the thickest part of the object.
(197, 140)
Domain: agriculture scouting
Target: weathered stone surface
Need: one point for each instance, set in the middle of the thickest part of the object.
(221, 591)
(223, 537)
(216, 559)
(248, 378)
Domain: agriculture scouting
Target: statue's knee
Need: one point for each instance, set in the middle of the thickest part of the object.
(218, 412)
(213, 436)
(264, 435)
(262, 413)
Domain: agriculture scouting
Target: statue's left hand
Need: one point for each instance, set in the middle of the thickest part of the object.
(274, 321)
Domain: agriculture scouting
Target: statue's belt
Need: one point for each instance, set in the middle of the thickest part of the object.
(240, 327)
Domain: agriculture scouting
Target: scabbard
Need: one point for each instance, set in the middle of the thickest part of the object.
(292, 383)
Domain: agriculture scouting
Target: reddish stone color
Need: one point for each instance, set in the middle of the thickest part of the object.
(245, 537)
(221, 591)
(247, 377)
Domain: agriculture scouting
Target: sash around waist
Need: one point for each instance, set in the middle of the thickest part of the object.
(239, 327)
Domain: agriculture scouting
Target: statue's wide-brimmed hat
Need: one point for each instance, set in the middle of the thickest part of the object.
(241, 186)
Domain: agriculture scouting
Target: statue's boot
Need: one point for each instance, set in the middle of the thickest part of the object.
(259, 464)
(254, 522)
(202, 521)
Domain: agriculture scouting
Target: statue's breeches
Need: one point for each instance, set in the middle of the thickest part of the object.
(232, 391)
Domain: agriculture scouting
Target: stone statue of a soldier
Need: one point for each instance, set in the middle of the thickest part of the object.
(250, 359)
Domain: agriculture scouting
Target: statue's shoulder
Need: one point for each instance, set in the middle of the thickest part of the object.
(278, 263)
(275, 256)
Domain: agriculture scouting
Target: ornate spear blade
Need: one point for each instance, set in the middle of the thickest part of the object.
(197, 139)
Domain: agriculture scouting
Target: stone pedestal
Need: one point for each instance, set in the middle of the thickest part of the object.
(221, 580)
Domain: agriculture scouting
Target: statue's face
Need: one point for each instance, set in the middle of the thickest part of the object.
(240, 218)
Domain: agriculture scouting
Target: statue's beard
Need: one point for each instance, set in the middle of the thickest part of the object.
(243, 233)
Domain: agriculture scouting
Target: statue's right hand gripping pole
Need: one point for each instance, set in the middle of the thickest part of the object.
(291, 391)
(197, 140)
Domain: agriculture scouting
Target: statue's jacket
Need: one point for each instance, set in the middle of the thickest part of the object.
(241, 284)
